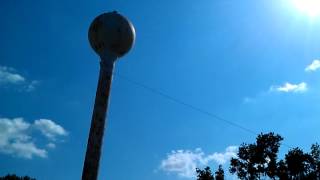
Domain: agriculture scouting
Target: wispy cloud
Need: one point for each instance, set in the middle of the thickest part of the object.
(51, 145)
(31, 86)
(16, 139)
(286, 87)
(9, 76)
(222, 158)
(290, 88)
(49, 128)
(184, 162)
(315, 65)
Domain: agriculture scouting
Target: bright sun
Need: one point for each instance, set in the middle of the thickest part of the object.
(309, 7)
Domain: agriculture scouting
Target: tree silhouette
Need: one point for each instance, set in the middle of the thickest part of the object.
(15, 177)
(298, 164)
(282, 170)
(315, 163)
(219, 173)
(205, 174)
(258, 159)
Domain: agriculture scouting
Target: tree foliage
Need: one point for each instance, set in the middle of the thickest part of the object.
(206, 174)
(219, 174)
(15, 177)
(259, 160)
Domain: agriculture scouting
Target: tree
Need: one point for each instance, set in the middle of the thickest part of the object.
(298, 164)
(315, 162)
(302, 165)
(205, 174)
(282, 170)
(219, 174)
(15, 177)
(258, 159)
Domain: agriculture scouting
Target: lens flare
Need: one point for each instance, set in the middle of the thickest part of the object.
(309, 7)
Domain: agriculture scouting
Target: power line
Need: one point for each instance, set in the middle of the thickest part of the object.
(178, 101)
(155, 91)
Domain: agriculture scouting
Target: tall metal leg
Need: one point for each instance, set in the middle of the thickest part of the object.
(92, 159)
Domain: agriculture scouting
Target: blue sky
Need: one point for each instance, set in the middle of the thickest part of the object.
(251, 62)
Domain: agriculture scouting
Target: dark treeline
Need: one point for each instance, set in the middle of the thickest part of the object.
(259, 160)
(15, 177)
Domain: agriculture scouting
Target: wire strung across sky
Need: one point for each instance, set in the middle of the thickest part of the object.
(178, 101)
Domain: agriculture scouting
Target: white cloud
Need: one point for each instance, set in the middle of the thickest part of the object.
(27, 150)
(288, 88)
(31, 86)
(16, 139)
(9, 76)
(49, 128)
(222, 158)
(313, 66)
(184, 162)
(51, 145)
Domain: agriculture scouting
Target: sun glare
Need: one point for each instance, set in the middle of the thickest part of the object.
(309, 7)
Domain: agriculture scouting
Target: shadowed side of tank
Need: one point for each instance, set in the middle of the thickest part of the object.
(111, 32)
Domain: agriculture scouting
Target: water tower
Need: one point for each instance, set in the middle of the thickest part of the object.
(111, 36)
